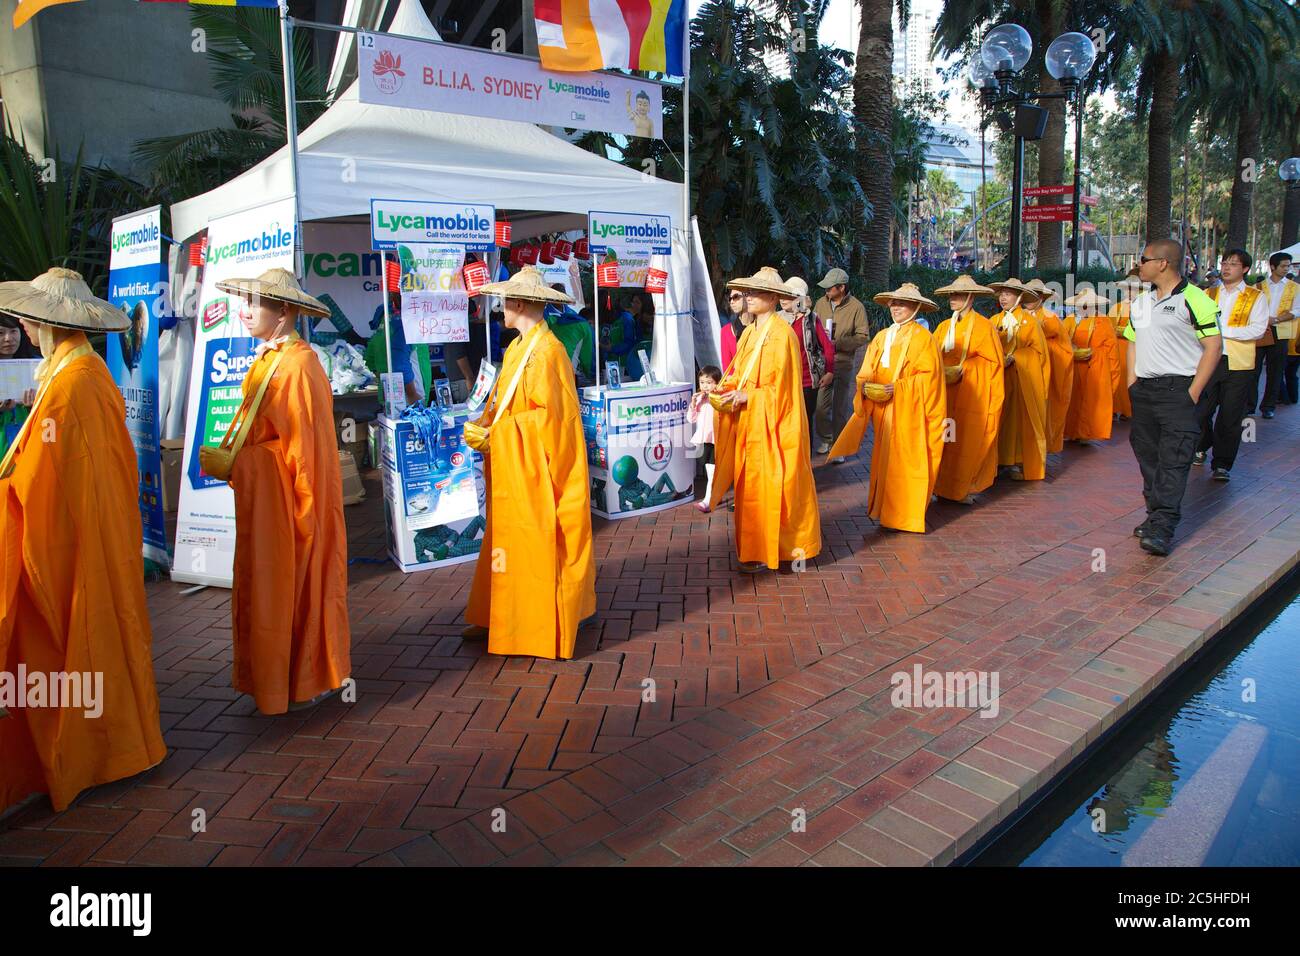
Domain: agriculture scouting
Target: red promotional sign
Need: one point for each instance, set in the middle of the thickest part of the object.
(528, 254)
(607, 275)
(503, 234)
(476, 276)
(581, 249)
(392, 276)
(656, 280)
(563, 249)
(547, 255)
(1056, 212)
(199, 252)
(1088, 226)
(1089, 200)
(1048, 191)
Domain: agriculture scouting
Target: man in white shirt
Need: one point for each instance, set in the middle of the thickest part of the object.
(1243, 318)
(1283, 302)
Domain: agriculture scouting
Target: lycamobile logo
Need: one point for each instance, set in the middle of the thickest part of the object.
(645, 230)
(659, 408)
(272, 239)
(388, 222)
(573, 89)
(136, 237)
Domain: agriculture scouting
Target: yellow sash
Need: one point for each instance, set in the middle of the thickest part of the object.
(1241, 355)
(1284, 330)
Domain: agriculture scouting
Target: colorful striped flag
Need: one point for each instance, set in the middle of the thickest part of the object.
(579, 35)
(222, 3)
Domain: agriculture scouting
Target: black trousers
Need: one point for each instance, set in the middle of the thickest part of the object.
(1223, 405)
(1164, 433)
(1291, 380)
(1270, 362)
(810, 406)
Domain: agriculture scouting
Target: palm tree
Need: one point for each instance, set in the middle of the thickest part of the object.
(873, 102)
(247, 69)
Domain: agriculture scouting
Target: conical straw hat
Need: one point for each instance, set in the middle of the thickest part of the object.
(1042, 288)
(61, 297)
(766, 279)
(1014, 285)
(907, 292)
(277, 285)
(1087, 298)
(963, 285)
(528, 284)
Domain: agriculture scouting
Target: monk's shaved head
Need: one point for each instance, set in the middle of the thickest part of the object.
(1169, 250)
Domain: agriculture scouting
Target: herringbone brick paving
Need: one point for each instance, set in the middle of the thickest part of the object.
(772, 693)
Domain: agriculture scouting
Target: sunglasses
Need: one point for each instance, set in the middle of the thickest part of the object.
(735, 297)
(1144, 260)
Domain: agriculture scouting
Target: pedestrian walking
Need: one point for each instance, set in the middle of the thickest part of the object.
(845, 319)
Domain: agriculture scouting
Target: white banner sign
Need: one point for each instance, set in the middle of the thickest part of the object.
(629, 233)
(242, 244)
(435, 305)
(452, 79)
(472, 225)
(343, 272)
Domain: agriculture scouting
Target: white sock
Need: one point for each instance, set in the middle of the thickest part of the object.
(708, 484)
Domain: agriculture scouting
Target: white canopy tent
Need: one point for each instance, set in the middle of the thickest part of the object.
(356, 152)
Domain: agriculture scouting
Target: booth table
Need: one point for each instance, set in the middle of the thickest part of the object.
(638, 448)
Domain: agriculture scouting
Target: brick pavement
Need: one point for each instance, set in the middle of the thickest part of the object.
(772, 692)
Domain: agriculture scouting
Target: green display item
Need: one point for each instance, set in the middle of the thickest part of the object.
(633, 493)
(440, 542)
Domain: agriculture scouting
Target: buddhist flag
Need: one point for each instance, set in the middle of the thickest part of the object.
(27, 9)
(579, 35)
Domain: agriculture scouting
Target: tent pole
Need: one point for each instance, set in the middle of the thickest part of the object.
(291, 135)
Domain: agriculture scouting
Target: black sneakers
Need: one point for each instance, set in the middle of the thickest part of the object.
(1221, 474)
(1153, 544)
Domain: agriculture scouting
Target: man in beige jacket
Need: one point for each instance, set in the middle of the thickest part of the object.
(845, 320)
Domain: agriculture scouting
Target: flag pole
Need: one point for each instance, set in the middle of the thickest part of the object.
(291, 136)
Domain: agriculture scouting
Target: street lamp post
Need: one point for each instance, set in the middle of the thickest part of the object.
(1289, 171)
(1003, 55)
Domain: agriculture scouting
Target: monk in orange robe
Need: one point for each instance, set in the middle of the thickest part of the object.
(536, 574)
(1119, 315)
(72, 603)
(973, 369)
(901, 390)
(1059, 351)
(1096, 373)
(761, 428)
(289, 604)
(1022, 433)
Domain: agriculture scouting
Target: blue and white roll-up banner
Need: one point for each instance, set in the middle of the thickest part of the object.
(137, 285)
(240, 245)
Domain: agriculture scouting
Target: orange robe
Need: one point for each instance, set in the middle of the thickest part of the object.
(908, 428)
(1119, 314)
(535, 579)
(970, 462)
(72, 591)
(762, 448)
(289, 604)
(1022, 434)
(1060, 380)
(1095, 381)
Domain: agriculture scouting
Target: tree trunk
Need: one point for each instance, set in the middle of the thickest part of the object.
(1051, 148)
(1243, 180)
(1291, 193)
(1164, 98)
(873, 102)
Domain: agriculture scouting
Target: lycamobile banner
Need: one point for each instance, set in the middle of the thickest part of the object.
(472, 225)
(451, 79)
(629, 234)
(136, 286)
(245, 244)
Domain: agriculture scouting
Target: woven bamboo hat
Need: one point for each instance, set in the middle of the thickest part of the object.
(766, 279)
(907, 292)
(963, 285)
(276, 285)
(61, 297)
(1043, 290)
(1088, 298)
(528, 284)
(1014, 285)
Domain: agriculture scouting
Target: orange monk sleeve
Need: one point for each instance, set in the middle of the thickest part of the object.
(307, 432)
